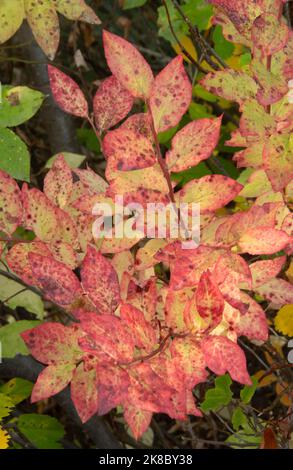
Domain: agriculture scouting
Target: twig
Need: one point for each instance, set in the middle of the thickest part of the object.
(183, 49)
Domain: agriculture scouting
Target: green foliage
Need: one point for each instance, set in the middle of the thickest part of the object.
(14, 156)
(223, 47)
(17, 389)
(198, 12)
(15, 295)
(239, 419)
(11, 342)
(74, 160)
(43, 431)
(128, 4)
(218, 396)
(18, 105)
(248, 391)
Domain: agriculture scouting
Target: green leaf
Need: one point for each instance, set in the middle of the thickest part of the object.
(42, 431)
(219, 396)
(10, 339)
(245, 439)
(223, 47)
(198, 111)
(198, 12)
(88, 138)
(17, 389)
(74, 160)
(14, 156)
(18, 105)
(239, 419)
(248, 391)
(13, 295)
(6, 405)
(183, 177)
(205, 95)
(128, 4)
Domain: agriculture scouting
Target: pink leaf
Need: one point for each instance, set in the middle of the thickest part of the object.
(52, 380)
(128, 65)
(51, 343)
(58, 282)
(170, 96)
(100, 281)
(67, 93)
(253, 323)
(84, 393)
(194, 143)
(222, 355)
(112, 103)
(209, 300)
(276, 291)
(269, 34)
(10, 204)
(263, 241)
(264, 270)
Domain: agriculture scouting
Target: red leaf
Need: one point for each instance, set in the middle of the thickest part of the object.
(194, 143)
(10, 204)
(52, 380)
(170, 96)
(127, 150)
(67, 93)
(100, 281)
(112, 103)
(138, 420)
(128, 65)
(113, 384)
(222, 355)
(58, 282)
(276, 291)
(209, 300)
(51, 343)
(142, 331)
(107, 337)
(84, 393)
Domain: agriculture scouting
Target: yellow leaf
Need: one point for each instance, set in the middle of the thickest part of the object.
(266, 380)
(285, 398)
(289, 272)
(4, 439)
(284, 320)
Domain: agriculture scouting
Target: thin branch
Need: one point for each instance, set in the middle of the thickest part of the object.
(183, 49)
(200, 41)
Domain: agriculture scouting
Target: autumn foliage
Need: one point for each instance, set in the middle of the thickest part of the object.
(135, 339)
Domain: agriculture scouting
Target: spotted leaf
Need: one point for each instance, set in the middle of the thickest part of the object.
(100, 281)
(170, 96)
(128, 65)
(58, 282)
(67, 93)
(194, 143)
(112, 103)
(51, 343)
(52, 380)
(222, 355)
(10, 204)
